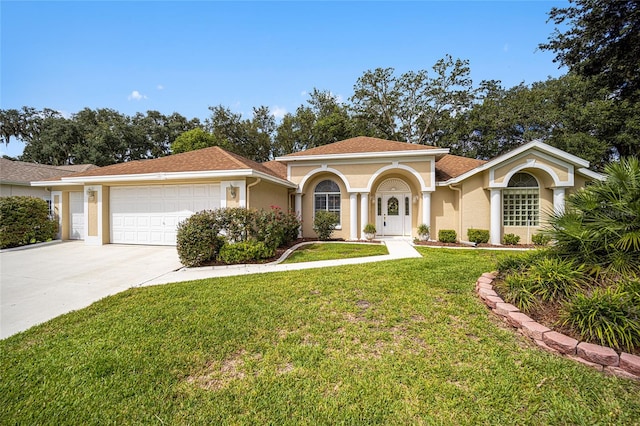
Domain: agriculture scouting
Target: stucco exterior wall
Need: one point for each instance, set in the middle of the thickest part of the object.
(106, 216)
(267, 194)
(444, 210)
(476, 206)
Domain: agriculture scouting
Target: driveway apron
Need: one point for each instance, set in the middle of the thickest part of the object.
(40, 283)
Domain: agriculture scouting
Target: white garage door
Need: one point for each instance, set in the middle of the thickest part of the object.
(76, 216)
(150, 214)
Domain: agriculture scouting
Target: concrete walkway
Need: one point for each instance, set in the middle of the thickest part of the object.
(399, 248)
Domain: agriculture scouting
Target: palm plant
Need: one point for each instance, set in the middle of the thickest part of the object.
(601, 224)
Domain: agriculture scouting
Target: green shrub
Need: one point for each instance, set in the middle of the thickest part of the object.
(324, 224)
(423, 230)
(25, 220)
(556, 279)
(479, 236)
(607, 317)
(518, 289)
(511, 239)
(247, 251)
(198, 239)
(370, 228)
(519, 262)
(447, 236)
(540, 239)
(202, 235)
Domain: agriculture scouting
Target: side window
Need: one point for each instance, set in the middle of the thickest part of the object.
(326, 196)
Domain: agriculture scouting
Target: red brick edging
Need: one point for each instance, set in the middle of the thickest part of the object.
(599, 357)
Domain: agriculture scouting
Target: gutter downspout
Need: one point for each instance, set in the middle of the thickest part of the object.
(249, 192)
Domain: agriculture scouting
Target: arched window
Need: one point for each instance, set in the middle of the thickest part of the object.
(326, 196)
(521, 201)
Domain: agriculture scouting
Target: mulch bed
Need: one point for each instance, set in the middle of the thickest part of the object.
(482, 245)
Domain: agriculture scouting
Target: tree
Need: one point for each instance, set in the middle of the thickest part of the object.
(414, 106)
(57, 143)
(249, 138)
(602, 41)
(194, 139)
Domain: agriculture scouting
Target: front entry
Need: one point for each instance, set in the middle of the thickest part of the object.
(393, 208)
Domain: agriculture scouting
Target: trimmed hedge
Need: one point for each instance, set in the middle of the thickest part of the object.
(478, 236)
(202, 236)
(25, 220)
(447, 236)
(245, 252)
(511, 239)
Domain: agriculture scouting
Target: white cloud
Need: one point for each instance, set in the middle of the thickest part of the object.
(303, 93)
(278, 112)
(160, 87)
(136, 96)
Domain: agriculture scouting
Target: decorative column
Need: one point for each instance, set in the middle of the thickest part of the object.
(364, 209)
(496, 204)
(426, 208)
(558, 200)
(298, 209)
(353, 216)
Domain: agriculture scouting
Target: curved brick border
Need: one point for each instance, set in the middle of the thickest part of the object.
(599, 357)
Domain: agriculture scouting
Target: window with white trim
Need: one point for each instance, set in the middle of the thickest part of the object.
(521, 201)
(326, 196)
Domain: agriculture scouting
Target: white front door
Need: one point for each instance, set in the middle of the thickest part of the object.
(76, 216)
(393, 214)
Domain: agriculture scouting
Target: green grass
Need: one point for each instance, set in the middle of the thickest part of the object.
(397, 342)
(330, 251)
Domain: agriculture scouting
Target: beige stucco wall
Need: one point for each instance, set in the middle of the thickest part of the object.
(267, 194)
(476, 206)
(444, 210)
(92, 216)
(501, 172)
(359, 175)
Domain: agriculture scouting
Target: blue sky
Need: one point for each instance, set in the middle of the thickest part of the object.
(186, 56)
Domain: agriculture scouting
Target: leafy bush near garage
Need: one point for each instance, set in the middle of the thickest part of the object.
(478, 236)
(25, 220)
(202, 236)
(447, 236)
(247, 251)
(199, 240)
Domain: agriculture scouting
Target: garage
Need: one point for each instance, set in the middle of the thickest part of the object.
(150, 214)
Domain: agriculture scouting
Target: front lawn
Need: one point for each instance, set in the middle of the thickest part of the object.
(397, 342)
(330, 251)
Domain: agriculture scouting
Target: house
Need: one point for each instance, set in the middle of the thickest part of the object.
(395, 185)
(16, 177)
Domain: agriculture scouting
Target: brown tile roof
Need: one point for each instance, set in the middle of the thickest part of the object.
(360, 144)
(277, 167)
(451, 166)
(22, 172)
(207, 159)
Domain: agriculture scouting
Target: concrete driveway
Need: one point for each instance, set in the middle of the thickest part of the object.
(40, 283)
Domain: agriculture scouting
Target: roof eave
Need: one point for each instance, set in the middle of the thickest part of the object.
(163, 176)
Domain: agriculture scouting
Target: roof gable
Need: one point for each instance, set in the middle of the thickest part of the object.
(451, 166)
